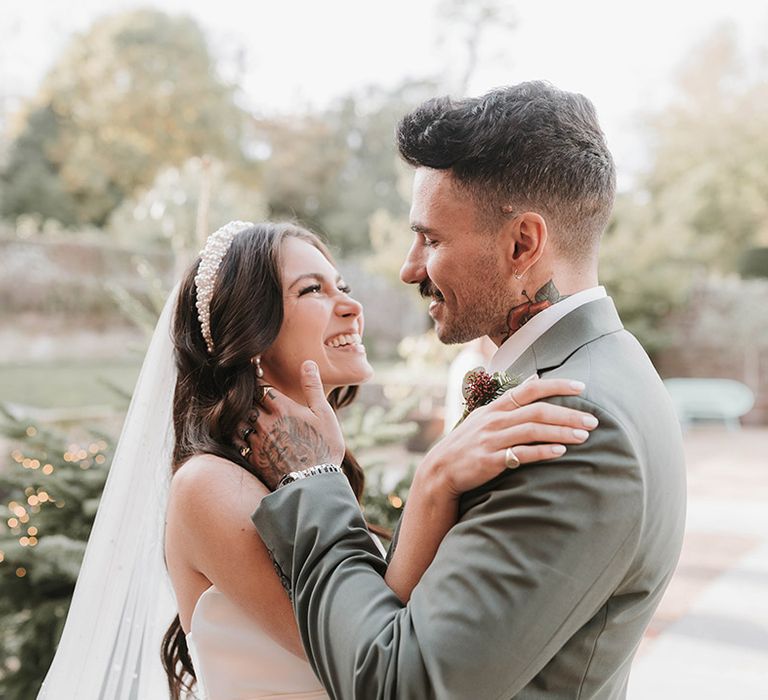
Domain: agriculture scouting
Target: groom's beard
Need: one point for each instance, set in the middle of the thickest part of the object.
(484, 313)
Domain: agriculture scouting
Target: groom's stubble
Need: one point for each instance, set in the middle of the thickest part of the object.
(485, 301)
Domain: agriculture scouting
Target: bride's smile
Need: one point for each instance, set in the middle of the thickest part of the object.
(321, 322)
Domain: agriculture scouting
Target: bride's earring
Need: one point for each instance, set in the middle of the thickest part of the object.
(256, 362)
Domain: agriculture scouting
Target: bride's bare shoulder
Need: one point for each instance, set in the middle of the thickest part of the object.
(205, 482)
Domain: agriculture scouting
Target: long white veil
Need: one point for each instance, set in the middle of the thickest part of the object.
(123, 601)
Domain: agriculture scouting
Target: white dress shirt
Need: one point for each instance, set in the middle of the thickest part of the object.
(512, 348)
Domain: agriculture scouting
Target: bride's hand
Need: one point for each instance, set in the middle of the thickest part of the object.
(475, 451)
(286, 436)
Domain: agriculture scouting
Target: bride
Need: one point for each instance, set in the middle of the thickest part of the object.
(173, 533)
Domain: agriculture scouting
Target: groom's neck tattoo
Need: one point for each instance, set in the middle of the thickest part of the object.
(519, 315)
(289, 445)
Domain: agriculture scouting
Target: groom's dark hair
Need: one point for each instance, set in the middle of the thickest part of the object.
(529, 146)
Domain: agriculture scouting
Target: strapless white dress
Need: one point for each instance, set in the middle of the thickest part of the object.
(235, 659)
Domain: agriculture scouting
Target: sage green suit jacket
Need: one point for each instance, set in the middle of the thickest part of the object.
(544, 586)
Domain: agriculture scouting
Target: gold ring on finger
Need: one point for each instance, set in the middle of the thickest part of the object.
(264, 391)
(245, 451)
(513, 399)
(511, 460)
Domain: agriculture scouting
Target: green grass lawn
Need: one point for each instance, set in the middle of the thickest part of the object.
(68, 384)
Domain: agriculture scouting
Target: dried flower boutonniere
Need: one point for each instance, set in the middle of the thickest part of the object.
(480, 388)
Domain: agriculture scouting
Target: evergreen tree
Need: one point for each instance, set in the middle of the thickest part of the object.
(30, 181)
(50, 487)
(49, 492)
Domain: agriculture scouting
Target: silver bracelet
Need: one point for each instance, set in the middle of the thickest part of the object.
(312, 471)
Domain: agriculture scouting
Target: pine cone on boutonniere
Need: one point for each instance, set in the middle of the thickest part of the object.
(480, 388)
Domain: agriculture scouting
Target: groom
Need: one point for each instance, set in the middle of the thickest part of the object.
(544, 587)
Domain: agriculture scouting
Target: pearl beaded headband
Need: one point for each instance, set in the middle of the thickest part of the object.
(211, 256)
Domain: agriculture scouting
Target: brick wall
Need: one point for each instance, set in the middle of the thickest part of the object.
(65, 279)
(60, 276)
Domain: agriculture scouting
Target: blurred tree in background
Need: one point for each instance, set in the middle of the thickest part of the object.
(334, 169)
(170, 209)
(305, 158)
(29, 182)
(703, 201)
(136, 93)
(369, 181)
(710, 176)
(646, 268)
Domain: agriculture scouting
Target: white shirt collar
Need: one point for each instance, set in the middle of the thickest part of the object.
(512, 348)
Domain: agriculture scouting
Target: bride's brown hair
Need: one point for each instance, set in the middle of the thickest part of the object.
(215, 391)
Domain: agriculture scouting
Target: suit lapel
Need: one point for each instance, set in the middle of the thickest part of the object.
(581, 326)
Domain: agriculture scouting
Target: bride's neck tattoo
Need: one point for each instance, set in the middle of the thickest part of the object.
(519, 315)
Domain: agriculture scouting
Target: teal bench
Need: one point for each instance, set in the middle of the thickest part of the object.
(697, 399)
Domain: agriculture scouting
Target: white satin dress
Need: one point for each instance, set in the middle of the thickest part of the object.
(235, 659)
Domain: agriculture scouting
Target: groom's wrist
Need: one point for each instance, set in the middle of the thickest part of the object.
(291, 477)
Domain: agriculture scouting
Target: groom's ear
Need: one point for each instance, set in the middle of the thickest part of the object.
(526, 238)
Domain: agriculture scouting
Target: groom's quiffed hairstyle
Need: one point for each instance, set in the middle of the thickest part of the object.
(526, 147)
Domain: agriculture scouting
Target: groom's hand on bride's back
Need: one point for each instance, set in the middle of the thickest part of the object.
(283, 436)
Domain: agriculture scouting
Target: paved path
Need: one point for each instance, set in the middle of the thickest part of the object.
(709, 639)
